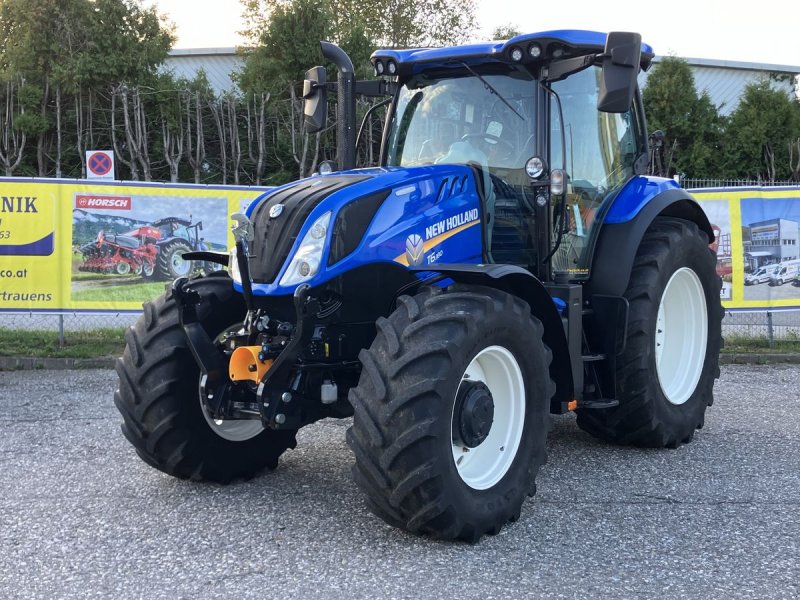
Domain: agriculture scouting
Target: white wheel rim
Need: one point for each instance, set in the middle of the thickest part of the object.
(681, 335)
(238, 430)
(180, 266)
(485, 465)
(233, 430)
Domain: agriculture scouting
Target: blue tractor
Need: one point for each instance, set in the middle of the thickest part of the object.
(507, 259)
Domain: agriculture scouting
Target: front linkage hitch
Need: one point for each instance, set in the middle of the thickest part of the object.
(277, 388)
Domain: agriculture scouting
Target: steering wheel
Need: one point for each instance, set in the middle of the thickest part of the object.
(491, 141)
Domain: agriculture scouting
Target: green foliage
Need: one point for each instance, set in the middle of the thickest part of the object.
(81, 41)
(753, 143)
(126, 42)
(287, 47)
(670, 99)
(759, 133)
(403, 23)
(505, 32)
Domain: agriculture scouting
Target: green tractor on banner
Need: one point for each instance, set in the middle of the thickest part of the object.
(508, 259)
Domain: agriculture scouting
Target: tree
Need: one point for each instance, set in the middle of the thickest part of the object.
(505, 32)
(761, 134)
(67, 51)
(669, 99)
(12, 135)
(403, 23)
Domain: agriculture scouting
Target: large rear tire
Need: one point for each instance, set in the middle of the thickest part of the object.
(451, 412)
(665, 376)
(159, 398)
(169, 262)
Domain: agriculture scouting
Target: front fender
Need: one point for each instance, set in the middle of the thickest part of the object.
(519, 282)
(623, 229)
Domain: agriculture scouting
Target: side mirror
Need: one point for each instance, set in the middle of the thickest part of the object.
(620, 71)
(315, 99)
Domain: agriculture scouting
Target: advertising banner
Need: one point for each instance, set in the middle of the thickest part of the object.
(88, 247)
(82, 246)
(757, 244)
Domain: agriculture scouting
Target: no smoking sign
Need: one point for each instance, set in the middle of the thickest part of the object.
(99, 164)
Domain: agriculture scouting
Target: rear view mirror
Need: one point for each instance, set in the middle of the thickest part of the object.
(315, 99)
(620, 71)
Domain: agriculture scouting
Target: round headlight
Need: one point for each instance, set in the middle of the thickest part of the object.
(392, 67)
(516, 54)
(535, 50)
(318, 231)
(307, 267)
(379, 68)
(534, 167)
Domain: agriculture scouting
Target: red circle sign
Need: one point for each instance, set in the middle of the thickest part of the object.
(99, 163)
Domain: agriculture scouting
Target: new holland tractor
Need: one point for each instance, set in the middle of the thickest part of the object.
(508, 259)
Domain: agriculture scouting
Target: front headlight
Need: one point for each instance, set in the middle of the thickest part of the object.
(233, 267)
(306, 261)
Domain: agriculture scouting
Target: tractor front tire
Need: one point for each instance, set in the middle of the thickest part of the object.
(159, 397)
(665, 376)
(169, 262)
(452, 412)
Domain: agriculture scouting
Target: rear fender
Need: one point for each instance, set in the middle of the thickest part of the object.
(519, 282)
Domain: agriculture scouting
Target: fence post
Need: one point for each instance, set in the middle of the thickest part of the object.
(770, 332)
(60, 331)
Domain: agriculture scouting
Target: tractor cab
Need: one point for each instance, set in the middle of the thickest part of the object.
(551, 125)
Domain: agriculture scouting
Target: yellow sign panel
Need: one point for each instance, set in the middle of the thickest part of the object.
(88, 247)
(758, 244)
(82, 246)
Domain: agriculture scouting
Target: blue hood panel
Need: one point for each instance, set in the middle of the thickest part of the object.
(432, 214)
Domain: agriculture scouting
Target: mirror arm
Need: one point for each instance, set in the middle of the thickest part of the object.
(560, 69)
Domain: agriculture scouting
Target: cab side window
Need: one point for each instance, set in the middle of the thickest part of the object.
(598, 156)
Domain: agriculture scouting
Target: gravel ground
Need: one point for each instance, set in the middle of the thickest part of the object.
(82, 517)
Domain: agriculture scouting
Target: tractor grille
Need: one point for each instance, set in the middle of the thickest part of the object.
(352, 223)
(274, 237)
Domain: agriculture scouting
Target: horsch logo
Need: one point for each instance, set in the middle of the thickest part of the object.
(95, 201)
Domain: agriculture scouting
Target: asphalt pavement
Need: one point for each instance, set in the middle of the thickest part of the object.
(82, 517)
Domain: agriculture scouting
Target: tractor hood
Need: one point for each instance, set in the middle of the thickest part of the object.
(313, 230)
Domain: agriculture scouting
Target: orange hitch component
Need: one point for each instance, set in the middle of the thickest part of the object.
(572, 405)
(245, 365)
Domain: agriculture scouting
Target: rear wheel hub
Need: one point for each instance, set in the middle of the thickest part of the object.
(473, 414)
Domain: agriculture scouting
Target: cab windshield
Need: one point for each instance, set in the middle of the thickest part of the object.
(459, 118)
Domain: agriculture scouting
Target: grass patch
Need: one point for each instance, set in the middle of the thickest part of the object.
(89, 276)
(78, 344)
(742, 344)
(131, 292)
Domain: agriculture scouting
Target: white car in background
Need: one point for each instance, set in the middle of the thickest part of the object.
(761, 275)
(786, 272)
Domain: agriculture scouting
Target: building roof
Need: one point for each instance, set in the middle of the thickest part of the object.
(725, 80)
(218, 63)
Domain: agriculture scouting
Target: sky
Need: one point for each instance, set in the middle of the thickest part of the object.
(765, 31)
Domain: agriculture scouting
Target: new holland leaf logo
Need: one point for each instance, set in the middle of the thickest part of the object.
(415, 250)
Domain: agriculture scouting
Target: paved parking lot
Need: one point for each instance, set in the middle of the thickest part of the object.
(81, 516)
